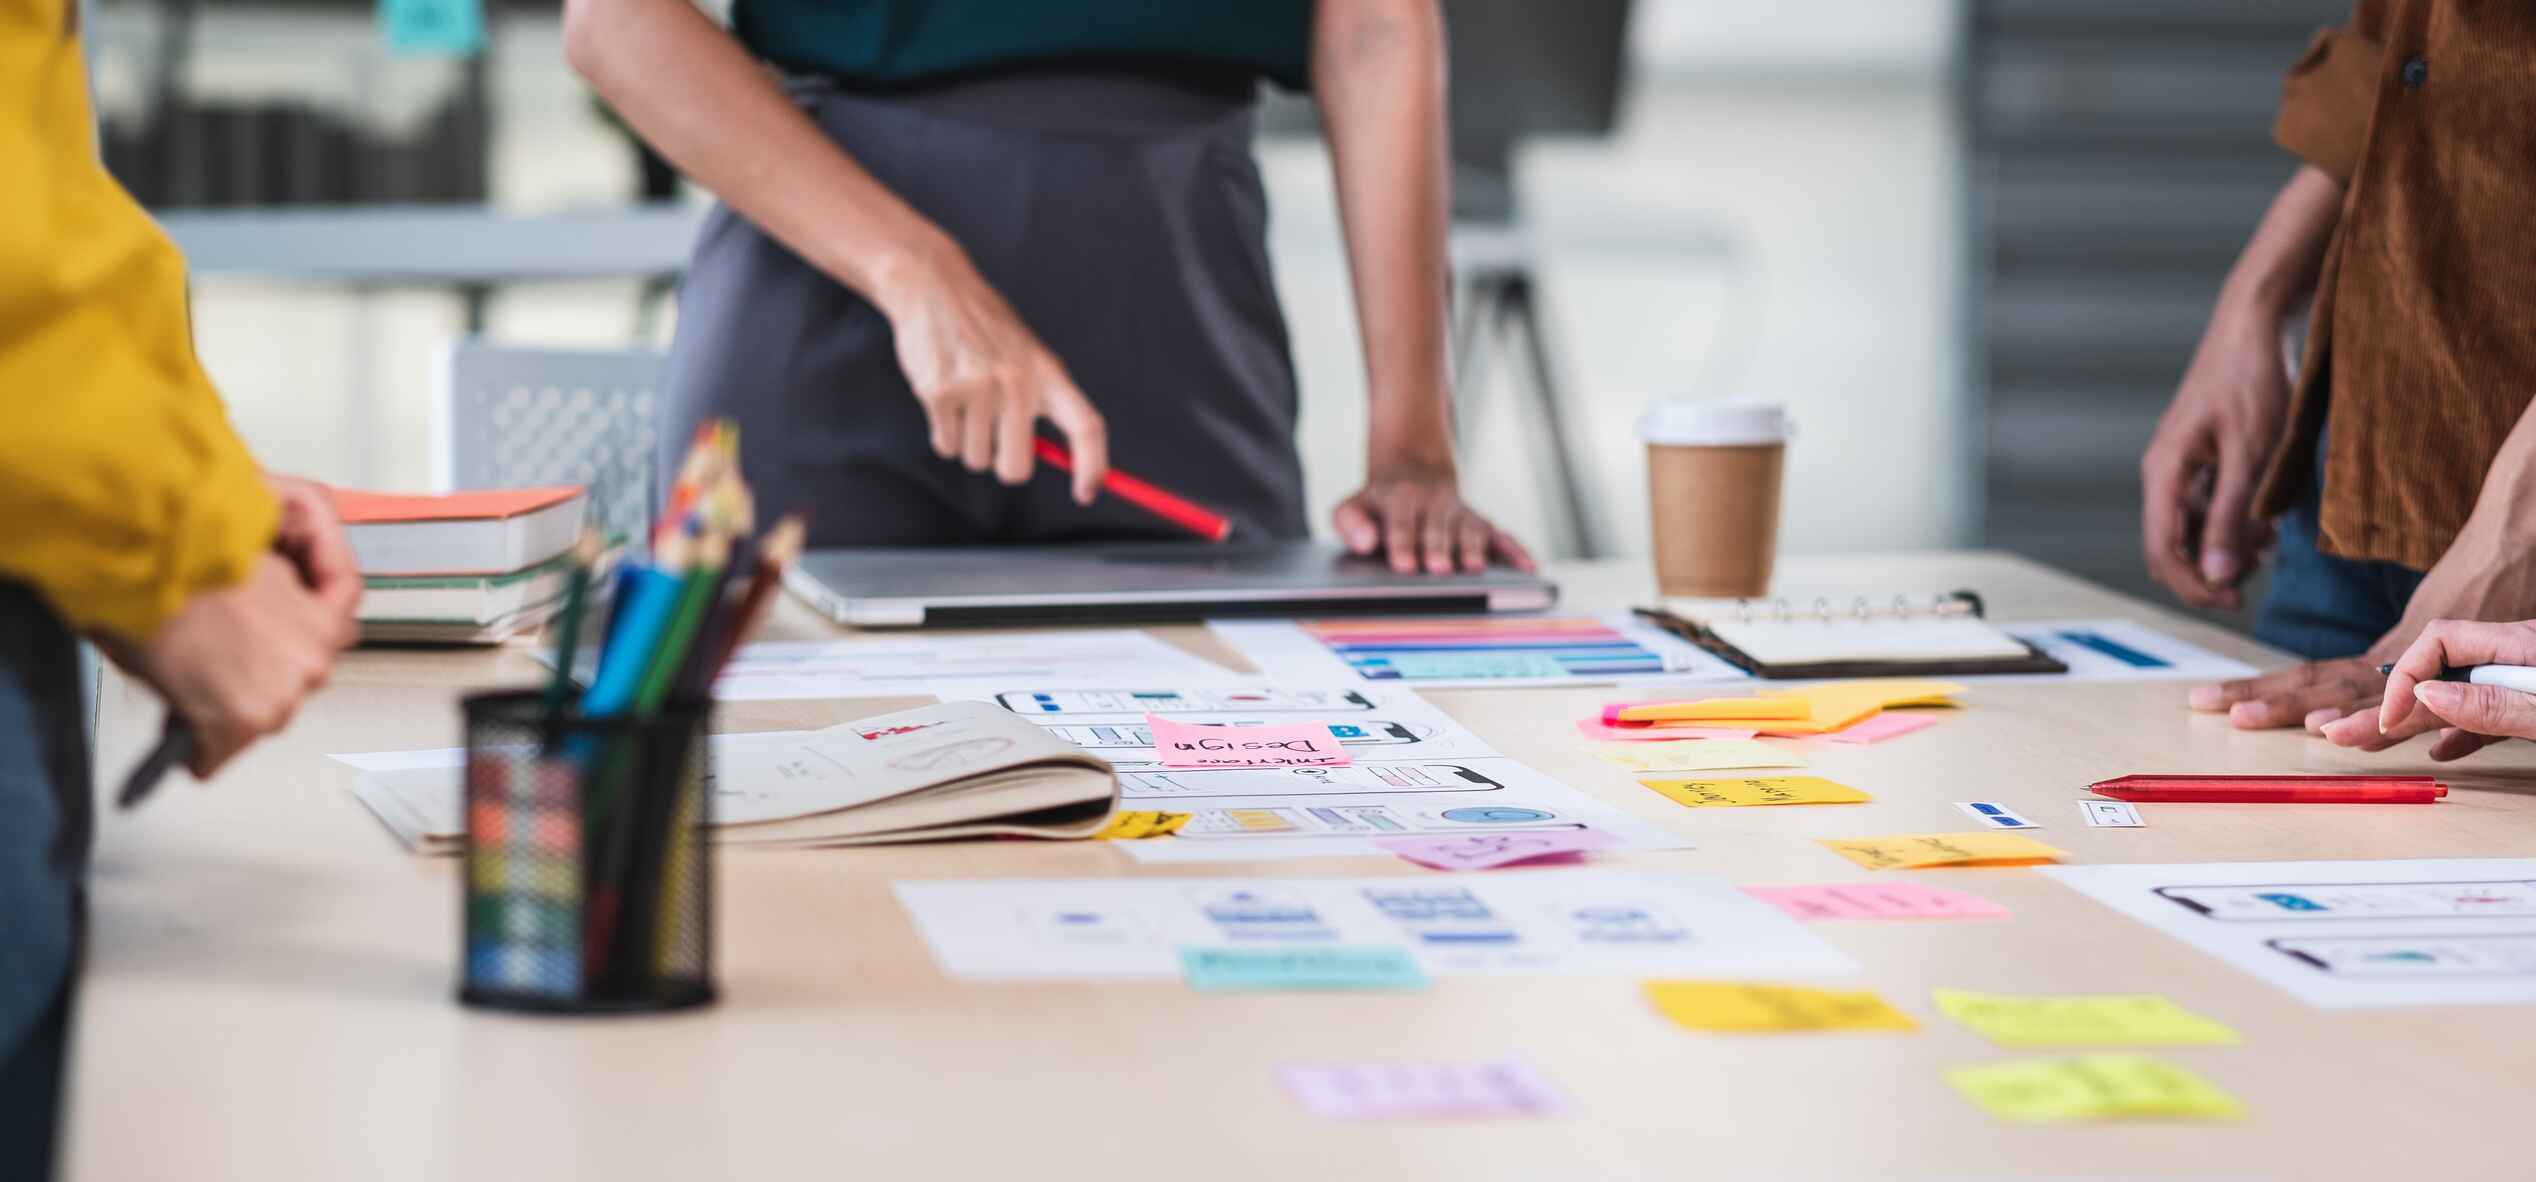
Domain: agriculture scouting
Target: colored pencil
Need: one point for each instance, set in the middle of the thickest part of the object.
(1179, 511)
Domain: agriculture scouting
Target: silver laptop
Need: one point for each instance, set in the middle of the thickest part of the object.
(908, 587)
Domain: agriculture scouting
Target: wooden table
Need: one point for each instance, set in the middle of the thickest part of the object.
(269, 989)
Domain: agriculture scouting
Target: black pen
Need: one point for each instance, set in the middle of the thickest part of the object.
(175, 746)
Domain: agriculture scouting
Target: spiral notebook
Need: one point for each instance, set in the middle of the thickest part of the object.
(1895, 636)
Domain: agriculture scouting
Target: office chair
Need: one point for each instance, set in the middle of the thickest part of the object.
(512, 417)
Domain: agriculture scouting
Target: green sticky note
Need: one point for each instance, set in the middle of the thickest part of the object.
(1300, 968)
(2129, 1020)
(435, 28)
(1473, 666)
(2093, 1087)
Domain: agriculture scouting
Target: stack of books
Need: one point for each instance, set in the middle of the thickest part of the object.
(461, 568)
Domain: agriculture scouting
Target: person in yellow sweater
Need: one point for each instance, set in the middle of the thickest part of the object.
(130, 514)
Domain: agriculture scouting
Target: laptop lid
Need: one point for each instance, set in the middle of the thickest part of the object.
(901, 587)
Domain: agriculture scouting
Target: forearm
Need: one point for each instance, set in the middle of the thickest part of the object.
(2504, 517)
(2277, 270)
(726, 124)
(1378, 71)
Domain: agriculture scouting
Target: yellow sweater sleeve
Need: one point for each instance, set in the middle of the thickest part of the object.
(123, 490)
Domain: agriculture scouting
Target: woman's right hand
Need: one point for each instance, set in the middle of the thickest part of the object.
(982, 375)
(2467, 716)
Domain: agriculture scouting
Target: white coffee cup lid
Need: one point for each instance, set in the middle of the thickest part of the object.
(1715, 424)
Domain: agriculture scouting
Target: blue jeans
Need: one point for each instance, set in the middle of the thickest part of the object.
(43, 851)
(2319, 606)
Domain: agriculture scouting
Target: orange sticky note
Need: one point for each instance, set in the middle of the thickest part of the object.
(1715, 710)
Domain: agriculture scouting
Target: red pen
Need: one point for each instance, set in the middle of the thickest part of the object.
(1196, 519)
(2273, 789)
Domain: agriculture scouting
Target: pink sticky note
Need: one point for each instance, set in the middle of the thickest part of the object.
(1481, 851)
(1596, 729)
(1378, 1091)
(1181, 744)
(1877, 900)
(1879, 727)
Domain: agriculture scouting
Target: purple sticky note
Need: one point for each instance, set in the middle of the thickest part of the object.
(1877, 900)
(1396, 1091)
(1879, 727)
(1595, 728)
(1481, 851)
(1181, 744)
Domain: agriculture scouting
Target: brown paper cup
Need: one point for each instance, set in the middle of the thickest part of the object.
(1713, 495)
(1715, 512)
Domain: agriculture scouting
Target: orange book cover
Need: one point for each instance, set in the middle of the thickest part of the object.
(371, 508)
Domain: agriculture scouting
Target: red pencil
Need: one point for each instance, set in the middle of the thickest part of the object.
(2273, 789)
(1212, 526)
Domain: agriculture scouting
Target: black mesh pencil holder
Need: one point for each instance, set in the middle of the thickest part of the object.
(589, 869)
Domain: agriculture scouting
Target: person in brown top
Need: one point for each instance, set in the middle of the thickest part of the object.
(2400, 462)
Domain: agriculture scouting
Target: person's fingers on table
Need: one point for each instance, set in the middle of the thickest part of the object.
(1086, 436)
(2286, 703)
(1356, 527)
(1471, 541)
(1015, 425)
(1510, 550)
(1400, 529)
(2457, 743)
(2322, 715)
(2483, 709)
(1439, 512)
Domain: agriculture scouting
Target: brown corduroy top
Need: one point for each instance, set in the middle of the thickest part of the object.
(2422, 348)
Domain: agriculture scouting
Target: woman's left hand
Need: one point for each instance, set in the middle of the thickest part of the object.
(1416, 516)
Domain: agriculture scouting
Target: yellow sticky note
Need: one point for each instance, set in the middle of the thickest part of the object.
(1909, 851)
(1757, 790)
(1836, 704)
(2134, 1020)
(1136, 826)
(1755, 709)
(2092, 1087)
(1696, 755)
(1743, 1007)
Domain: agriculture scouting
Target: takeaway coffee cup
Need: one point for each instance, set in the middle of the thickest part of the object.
(1713, 495)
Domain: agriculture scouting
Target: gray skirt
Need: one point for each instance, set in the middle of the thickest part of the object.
(1119, 213)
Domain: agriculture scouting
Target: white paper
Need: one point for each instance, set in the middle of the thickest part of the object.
(2167, 658)
(757, 776)
(2344, 935)
(1283, 651)
(896, 666)
(1579, 922)
(1414, 770)
(1241, 814)
(1387, 724)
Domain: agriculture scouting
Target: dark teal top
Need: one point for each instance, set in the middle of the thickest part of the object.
(894, 43)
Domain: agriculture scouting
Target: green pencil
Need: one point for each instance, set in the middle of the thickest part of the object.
(695, 600)
(585, 553)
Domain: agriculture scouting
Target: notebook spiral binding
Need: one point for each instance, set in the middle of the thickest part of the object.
(1861, 608)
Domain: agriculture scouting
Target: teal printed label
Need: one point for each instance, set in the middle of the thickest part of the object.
(1300, 968)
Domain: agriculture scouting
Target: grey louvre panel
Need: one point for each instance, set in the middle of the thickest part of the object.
(521, 418)
(2120, 153)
